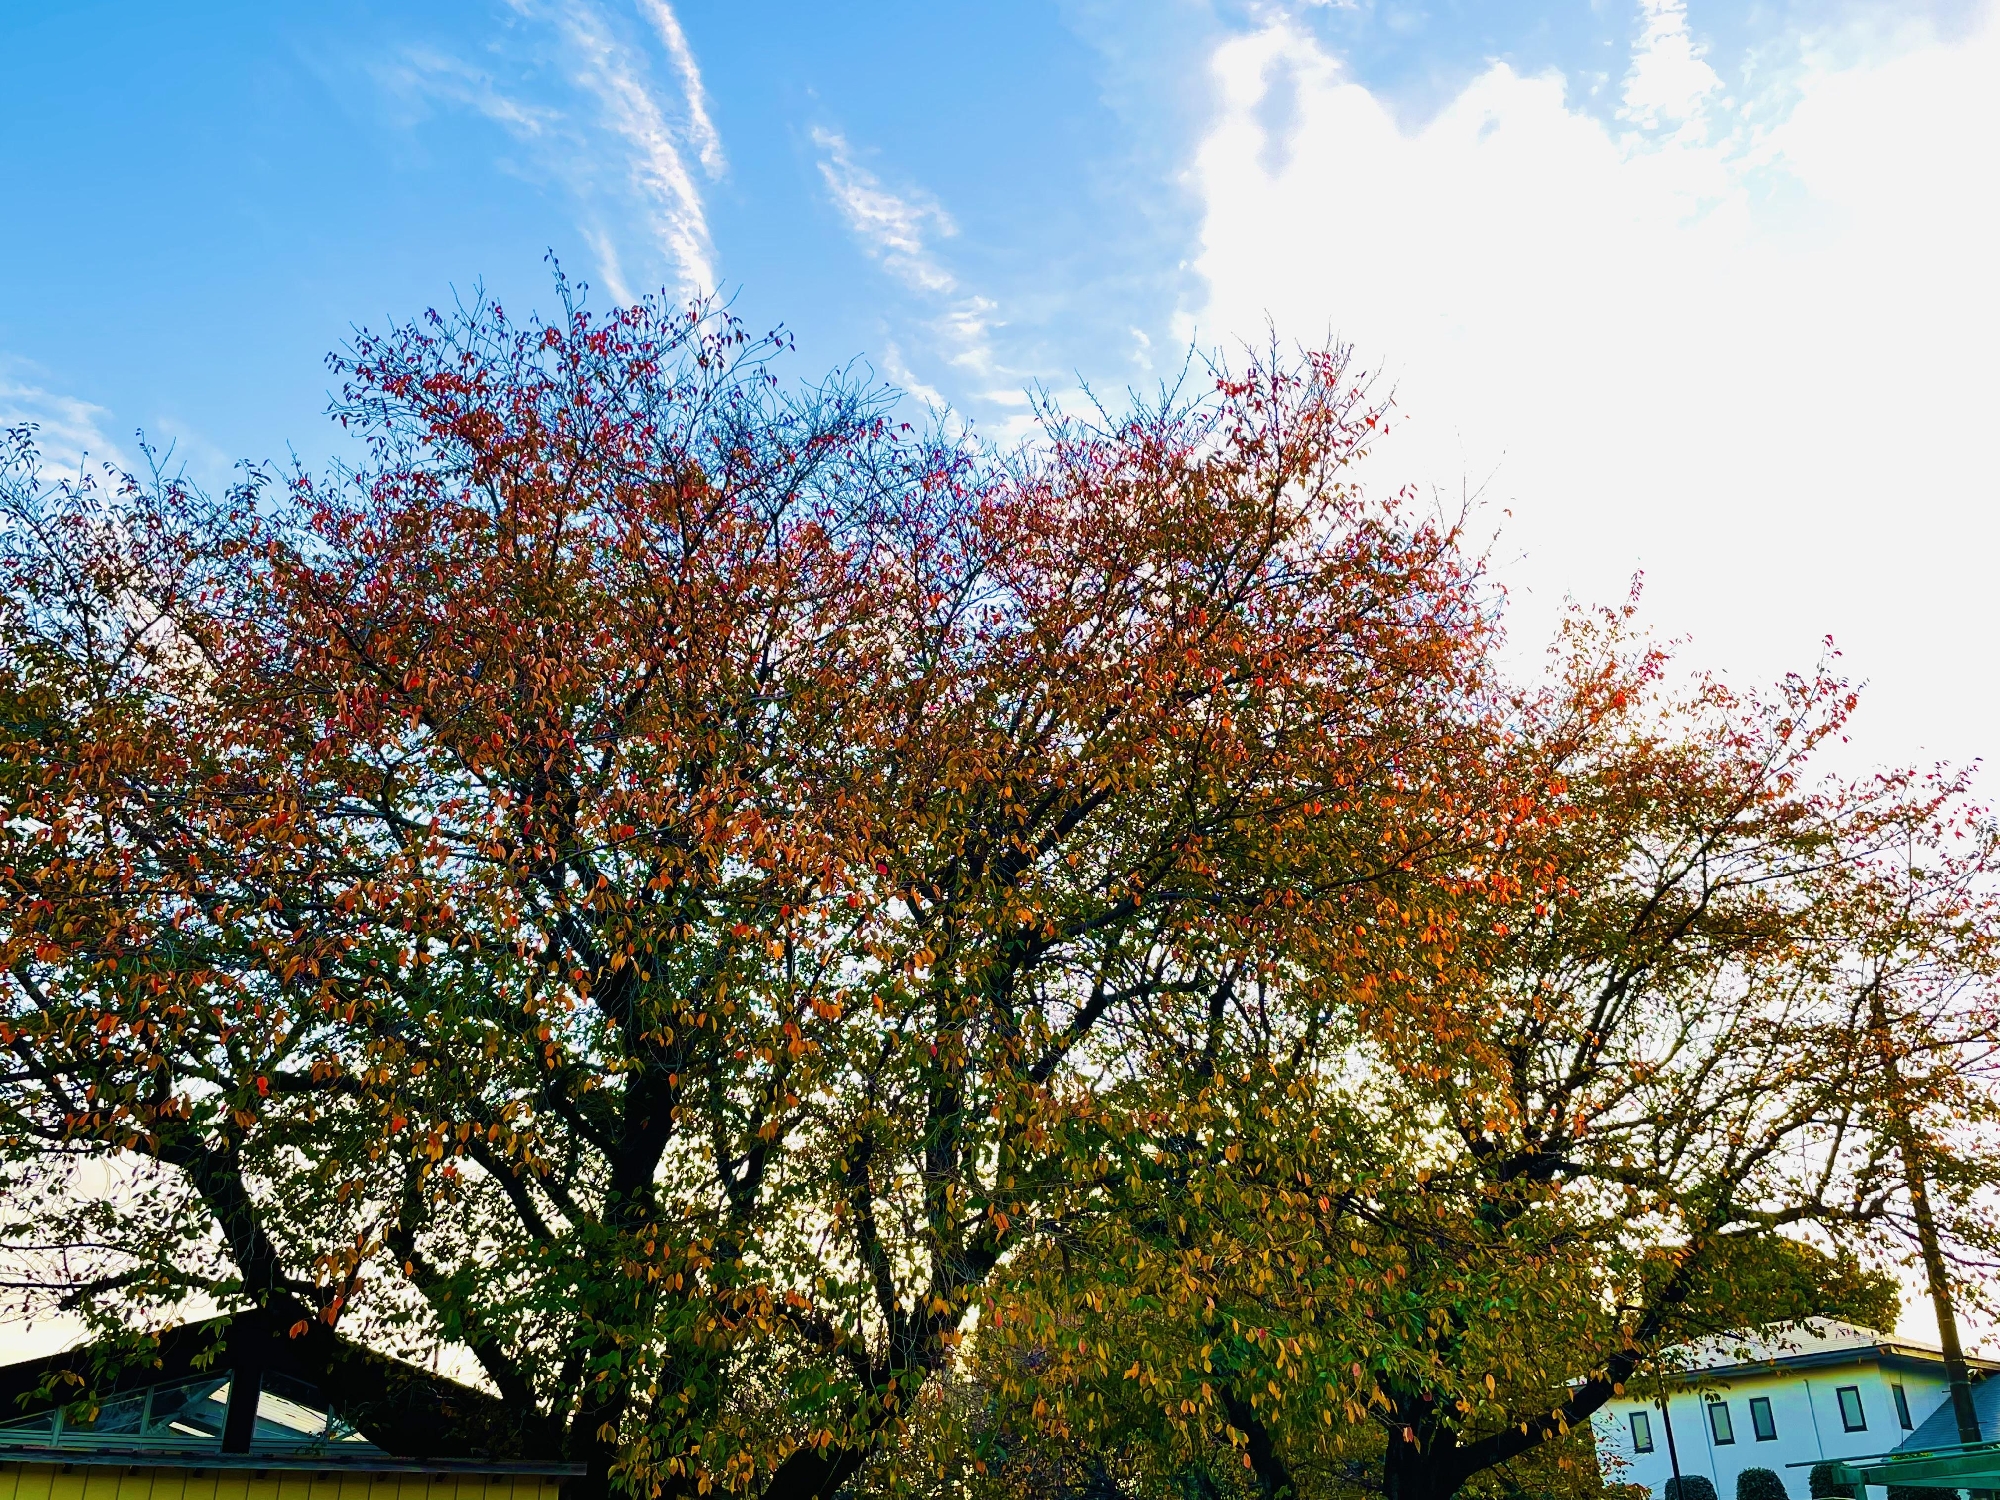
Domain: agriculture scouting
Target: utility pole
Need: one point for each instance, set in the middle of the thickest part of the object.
(1908, 1147)
(1673, 1453)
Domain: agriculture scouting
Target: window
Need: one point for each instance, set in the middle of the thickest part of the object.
(1902, 1407)
(1851, 1417)
(190, 1415)
(1642, 1432)
(126, 1414)
(1719, 1423)
(1760, 1419)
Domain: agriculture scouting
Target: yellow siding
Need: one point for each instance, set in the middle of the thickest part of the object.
(117, 1482)
(138, 1485)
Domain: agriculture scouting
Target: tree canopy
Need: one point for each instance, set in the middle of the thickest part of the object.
(743, 916)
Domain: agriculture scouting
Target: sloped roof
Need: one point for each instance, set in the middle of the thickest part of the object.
(399, 1407)
(1820, 1341)
(1940, 1428)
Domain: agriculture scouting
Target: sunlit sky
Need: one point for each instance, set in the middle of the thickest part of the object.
(1703, 290)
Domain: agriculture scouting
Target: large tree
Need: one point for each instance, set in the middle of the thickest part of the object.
(638, 877)
(1608, 1089)
(1926, 982)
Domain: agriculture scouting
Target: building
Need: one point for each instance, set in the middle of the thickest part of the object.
(1932, 1458)
(225, 1410)
(1785, 1400)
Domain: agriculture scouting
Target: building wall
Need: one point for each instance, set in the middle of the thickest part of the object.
(119, 1482)
(1804, 1408)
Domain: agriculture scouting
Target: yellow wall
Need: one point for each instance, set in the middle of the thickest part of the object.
(117, 1482)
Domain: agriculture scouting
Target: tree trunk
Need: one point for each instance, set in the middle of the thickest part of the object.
(1267, 1464)
(1935, 1272)
(1410, 1473)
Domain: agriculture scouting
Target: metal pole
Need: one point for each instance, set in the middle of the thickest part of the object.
(1673, 1454)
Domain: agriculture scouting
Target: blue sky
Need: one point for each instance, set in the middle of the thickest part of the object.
(1696, 288)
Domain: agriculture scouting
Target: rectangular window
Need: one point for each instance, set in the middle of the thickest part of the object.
(1719, 1423)
(1902, 1407)
(1760, 1419)
(1851, 1416)
(1642, 1432)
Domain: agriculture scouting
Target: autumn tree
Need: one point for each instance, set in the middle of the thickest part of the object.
(1925, 977)
(639, 877)
(1606, 1085)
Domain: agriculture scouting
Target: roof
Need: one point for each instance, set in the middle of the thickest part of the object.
(312, 1463)
(1940, 1428)
(1809, 1345)
(405, 1413)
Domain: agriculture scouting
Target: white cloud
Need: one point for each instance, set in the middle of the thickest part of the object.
(899, 231)
(1668, 82)
(614, 139)
(606, 69)
(700, 128)
(74, 436)
(609, 265)
(69, 432)
(426, 72)
(896, 229)
(1756, 363)
(901, 375)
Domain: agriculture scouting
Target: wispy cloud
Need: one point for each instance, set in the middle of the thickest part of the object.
(612, 136)
(426, 72)
(70, 431)
(899, 372)
(73, 435)
(610, 266)
(896, 228)
(899, 230)
(606, 69)
(701, 129)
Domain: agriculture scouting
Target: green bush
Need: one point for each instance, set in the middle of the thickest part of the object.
(1762, 1484)
(1690, 1487)
(1825, 1483)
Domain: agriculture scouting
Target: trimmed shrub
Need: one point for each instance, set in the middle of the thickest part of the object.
(1762, 1484)
(1825, 1483)
(1690, 1487)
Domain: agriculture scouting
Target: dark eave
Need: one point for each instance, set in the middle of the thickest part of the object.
(1902, 1356)
(313, 1463)
(404, 1410)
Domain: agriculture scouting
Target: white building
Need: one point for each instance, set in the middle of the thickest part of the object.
(1784, 1400)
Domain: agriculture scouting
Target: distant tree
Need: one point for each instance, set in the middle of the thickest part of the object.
(1824, 1483)
(1690, 1487)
